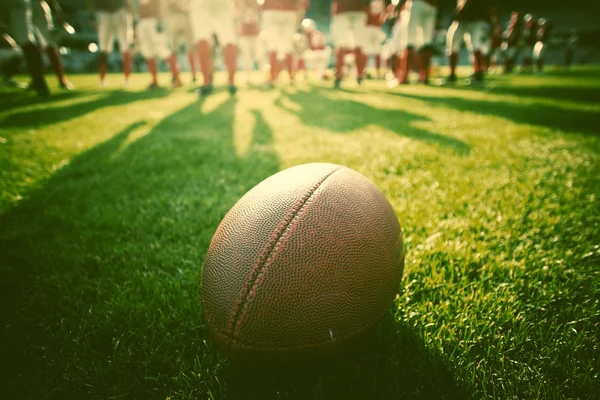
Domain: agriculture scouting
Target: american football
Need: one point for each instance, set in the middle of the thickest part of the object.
(307, 259)
(299, 199)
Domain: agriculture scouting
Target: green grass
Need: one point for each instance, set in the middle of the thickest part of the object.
(109, 199)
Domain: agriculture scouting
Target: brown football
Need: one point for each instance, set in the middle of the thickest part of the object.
(306, 260)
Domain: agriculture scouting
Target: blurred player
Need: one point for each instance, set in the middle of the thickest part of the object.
(113, 18)
(208, 18)
(19, 15)
(178, 26)
(152, 40)
(376, 15)
(471, 25)
(318, 53)
(280, 19)
(250, 45)
(348, 28)
(542, 36)
(493, 58)
(301, 49)
(417, 33)
(512, 40)
(529, 39)
(44, 25)
(395, 12)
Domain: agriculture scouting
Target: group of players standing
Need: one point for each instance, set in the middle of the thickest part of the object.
(277, 29)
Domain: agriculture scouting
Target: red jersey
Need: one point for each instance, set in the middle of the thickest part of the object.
(376, 12)
(149, 8)
(281, 5)
(316, 40)
(249, 19)
(341, 6)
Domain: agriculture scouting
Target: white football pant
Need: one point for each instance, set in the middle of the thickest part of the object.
(417, 25)
(348, 29)
(279, 28)
(209, 17)
(119, 24)
(151, 42)
(473, 33)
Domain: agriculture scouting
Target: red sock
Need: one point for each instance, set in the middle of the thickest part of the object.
(206, 61)
(103, 59)
(453, 61)
(361, 62)
(339, 62)
(289, 64)
(192, 60)
(127, 64)
(406, 64)
(301, 65)
(172, 60)
(377, 62)
(424, 64)
(56, 62)
(151, 62)
(230, 57)
(477, 61)
(275, 67)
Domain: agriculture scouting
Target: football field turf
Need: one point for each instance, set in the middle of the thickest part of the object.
(109, 199)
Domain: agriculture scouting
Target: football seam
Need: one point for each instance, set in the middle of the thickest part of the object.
(266, 255)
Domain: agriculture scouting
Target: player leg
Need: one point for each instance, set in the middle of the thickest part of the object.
(340, 27)
(146, 32)
(454, 39)
(192, 56)
(44, 24)
(124, 27)
(271, 32)
(359, 25)
(162, 51)
(224, 25)
(475, 34)
(426, 47)
(370, 44)
(22, 30)
(201, 28)
(396, 49)
(105, 42)
(409, 32)
(288, 28)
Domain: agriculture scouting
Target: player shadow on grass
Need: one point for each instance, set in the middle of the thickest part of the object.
(345, 116)
(101, 265)
(15, 98)
(101, 270)
(568, 120)
(49, 114)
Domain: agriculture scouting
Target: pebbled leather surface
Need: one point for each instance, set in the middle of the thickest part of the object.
(307, 259)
